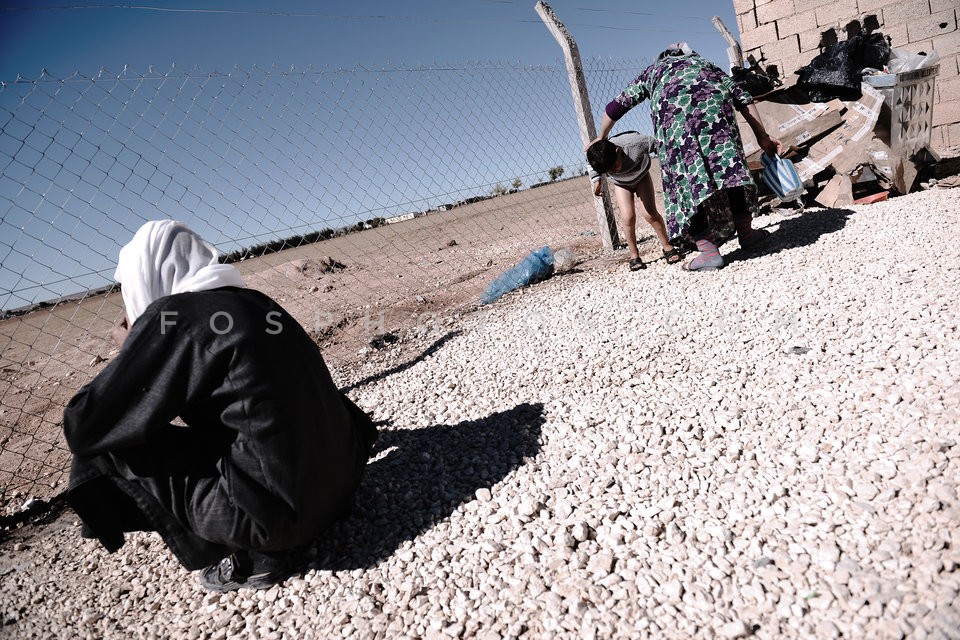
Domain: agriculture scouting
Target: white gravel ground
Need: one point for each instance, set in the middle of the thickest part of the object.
(770, 450)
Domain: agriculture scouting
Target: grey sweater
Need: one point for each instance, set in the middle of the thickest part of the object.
(636, 159)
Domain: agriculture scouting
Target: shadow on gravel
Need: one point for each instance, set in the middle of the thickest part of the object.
(800, 231)
(420, 476)
(429, 351)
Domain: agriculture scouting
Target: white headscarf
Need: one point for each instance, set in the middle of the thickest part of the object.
(164, 258)
(682, 46)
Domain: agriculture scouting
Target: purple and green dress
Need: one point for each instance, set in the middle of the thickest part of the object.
(701, 154)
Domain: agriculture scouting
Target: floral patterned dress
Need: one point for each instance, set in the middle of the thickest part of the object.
(701, 154)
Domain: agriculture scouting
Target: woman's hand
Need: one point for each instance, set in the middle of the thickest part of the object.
(606, 126)
(771, 146)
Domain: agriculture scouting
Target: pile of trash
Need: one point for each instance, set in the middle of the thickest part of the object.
(856, 121)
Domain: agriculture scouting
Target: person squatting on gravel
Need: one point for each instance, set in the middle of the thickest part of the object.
(625, 159)
(272, 452)
(699, 146)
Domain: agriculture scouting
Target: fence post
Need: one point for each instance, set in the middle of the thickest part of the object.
(734, 52)
(588, 130)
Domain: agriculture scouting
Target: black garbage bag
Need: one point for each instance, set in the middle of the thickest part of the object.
(836, 72)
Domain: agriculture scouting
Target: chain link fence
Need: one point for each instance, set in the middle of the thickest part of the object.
(367, 201)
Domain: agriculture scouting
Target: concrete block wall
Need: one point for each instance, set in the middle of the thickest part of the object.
(790, 33)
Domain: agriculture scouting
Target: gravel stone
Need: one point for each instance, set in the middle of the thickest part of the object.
(613, 455)
(734, 630)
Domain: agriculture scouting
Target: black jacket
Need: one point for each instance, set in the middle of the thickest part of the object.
(272, 452)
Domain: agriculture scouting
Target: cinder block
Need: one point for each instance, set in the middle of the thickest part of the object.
(937, 136)
(811, 40)
(939, 139)
(836, 13)
(948, 44)
(951, 135)
(867, 6)
(946, 112)
(742, 6)
(760, 36)
(755, 52)
(926, 28)
(906, 11)
(774, 11)
(786, 49)
(949, 67)
(898, 35)
(948, 89)
(757, 3)
(797, 23)
(924, 46)
(942, 5)
(789, 66)
(747, 20)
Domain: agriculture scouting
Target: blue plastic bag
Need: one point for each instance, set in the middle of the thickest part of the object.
(781, 176)
(537, 265)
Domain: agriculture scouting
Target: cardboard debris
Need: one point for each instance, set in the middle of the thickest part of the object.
(951, 182)
(899, 172)
(845, 148)
(894, 169)
(840, 136)
(789, 116)
(837, 193)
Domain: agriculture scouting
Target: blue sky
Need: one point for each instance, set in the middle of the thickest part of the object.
(438, 101)
(218, 35)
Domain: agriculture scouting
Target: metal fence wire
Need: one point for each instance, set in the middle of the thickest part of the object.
(363, 200)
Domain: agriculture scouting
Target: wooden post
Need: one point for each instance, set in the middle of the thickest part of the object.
(588, 129)
(734, 52)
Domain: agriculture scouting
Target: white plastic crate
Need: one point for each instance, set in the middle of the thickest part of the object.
(911, 110)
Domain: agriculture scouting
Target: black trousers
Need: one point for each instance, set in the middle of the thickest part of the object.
(699, 226)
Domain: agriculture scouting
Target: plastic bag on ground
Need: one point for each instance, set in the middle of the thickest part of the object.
(536, 266)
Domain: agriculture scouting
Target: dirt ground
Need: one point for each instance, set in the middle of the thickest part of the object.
(394, 280)
(359, 296)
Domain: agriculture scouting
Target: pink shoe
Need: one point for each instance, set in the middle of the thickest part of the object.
(704, 263)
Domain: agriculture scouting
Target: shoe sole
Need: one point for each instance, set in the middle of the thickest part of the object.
(703, 268)
(262, 581)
